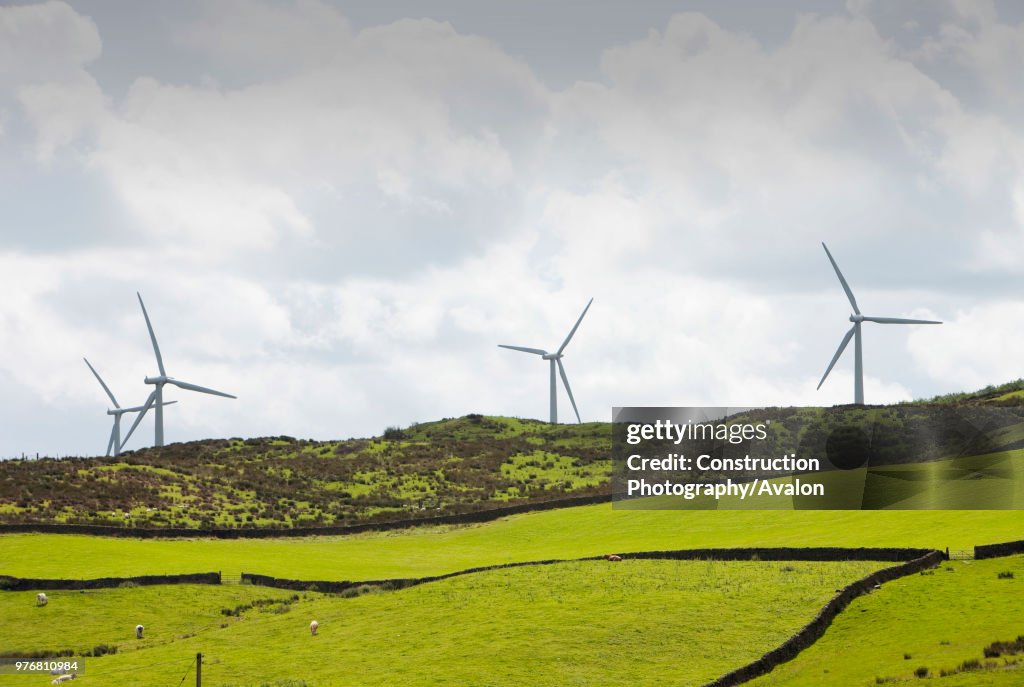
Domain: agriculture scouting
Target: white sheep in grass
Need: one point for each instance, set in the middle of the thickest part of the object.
(313, 627)
(41, 599)
(63, 678)
(138, 631)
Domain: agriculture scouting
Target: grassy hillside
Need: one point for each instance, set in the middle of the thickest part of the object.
(1010, 393)
(564, 533)
(583, 623)
(450, 466)
(436, 468)
(939, 620)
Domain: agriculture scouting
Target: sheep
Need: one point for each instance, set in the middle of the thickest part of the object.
(63, 678)
(41, 599)
(313, 627)
(612, 557)
(138, 631)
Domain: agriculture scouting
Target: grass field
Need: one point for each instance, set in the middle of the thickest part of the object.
(581, 623)
(940, 620)
(566, 533)
(108, 616)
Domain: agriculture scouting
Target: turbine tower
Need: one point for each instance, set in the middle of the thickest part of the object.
(555, 359)
(857, 318)
(115, 444)
(158, 382)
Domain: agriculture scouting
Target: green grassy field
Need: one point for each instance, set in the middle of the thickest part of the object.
(940, 620)
(565, 533)
(580, 623)
(90, 618)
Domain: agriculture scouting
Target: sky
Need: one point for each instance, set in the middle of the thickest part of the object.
(337, 210)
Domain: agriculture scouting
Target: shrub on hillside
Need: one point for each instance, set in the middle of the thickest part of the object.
(394, 433)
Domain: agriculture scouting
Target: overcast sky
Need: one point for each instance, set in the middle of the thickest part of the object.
(336, 210)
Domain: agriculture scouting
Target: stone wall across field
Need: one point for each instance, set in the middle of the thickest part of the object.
(999, 550)
(747, 554)
(812, 553)
(326, 530)
(17, 584)
(335, 587)
(812, 631)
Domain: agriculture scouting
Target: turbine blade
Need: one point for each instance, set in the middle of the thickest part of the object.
(898, 320)
(839, 352)
(842, 280)
(110, 442)
(201, 389)
(568, 389)
(524, 349)
(100, 380)
(152, 336)
(574, 327)
(146, 407)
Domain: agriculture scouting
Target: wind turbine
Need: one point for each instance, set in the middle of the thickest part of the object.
(115, 433)
(556, 359)
(854, 333)
(158, 382)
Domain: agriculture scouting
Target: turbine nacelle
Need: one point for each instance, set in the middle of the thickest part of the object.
(552, 356)
(857, 318)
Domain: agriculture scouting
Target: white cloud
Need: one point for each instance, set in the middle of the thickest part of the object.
(991, 50)
(211, 170)
(45, 43)
(274, 37)
(770, 147)
(62, 112)
(978, 346)
(44, 50)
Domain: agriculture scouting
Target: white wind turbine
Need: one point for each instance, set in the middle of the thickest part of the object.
(857, 318)
(114, 444)
(158, 394)
(556, 359)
